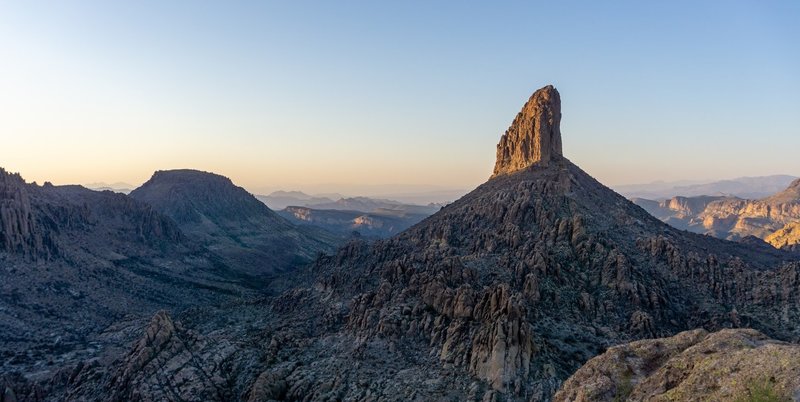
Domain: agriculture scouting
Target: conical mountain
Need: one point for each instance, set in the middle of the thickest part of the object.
(232, 222)
(499, 296)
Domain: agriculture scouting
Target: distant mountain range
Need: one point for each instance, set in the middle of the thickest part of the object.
(743, 187)
(380, 223)
(349, 216)
(118, 187)
(774, 218)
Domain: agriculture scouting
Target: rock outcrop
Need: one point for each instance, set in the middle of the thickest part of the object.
(19, 231)
(786, 237)
(534, 136)
(170, 363)
(732, 364)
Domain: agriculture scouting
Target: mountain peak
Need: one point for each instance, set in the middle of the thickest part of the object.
(534, 136)
(188, 176)
(790, 194)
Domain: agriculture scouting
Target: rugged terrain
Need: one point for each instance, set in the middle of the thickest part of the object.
(729, 365)
(228, 220)
(734, 218)
(83, 271)
(74, 261)
(501, 295)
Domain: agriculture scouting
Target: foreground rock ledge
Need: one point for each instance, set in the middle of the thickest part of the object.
(691, 366)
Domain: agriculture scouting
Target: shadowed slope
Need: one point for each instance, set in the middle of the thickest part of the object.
(232, 222)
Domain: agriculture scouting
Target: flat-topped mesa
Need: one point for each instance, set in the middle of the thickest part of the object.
(534, 136)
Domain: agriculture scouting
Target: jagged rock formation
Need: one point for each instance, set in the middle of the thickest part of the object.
(499, 296)
(729, 217)
(211, 209)
(534, 136)
(19, 232)
(165, 354)
(73, 261)
(732, 364)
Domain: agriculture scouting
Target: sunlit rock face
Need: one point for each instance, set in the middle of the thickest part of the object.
(534, 136)
(691, 366)
(771, 219)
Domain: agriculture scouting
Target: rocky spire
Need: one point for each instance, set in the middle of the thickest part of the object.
(534, 136)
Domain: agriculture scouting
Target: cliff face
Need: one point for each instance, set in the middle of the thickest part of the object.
(42, 222)
(760, 218)
(730, 217)
(786, 237)
(19, 231)
(534, 136)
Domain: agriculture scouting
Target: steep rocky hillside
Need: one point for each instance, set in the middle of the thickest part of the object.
(729, 365)
(499, 296)
(230, 221)
(74, 261)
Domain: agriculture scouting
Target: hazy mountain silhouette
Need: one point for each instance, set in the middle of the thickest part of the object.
(742, 187)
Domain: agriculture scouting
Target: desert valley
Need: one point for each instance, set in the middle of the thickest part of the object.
(540, 284)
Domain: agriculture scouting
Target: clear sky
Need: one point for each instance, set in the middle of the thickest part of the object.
(351, 95)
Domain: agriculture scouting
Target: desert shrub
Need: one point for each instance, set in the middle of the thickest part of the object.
(625, 387)
(763, 391)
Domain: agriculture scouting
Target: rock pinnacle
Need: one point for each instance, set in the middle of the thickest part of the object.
(534, 136)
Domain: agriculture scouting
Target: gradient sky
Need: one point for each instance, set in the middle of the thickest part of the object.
(351, 95)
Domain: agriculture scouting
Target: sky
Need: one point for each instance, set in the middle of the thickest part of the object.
(368, 97)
